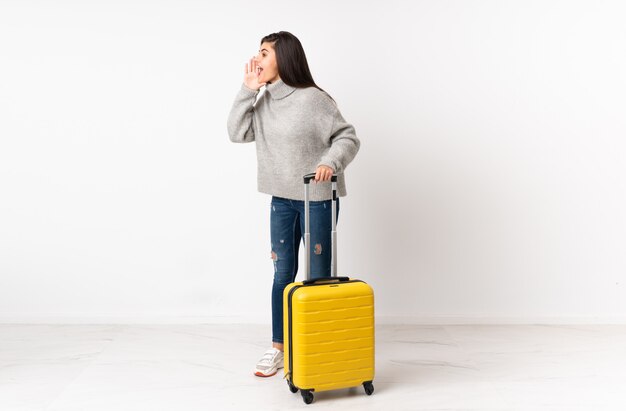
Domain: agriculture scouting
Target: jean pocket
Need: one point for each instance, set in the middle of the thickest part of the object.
(279, 200)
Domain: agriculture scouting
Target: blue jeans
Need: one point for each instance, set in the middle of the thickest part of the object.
(287, 228)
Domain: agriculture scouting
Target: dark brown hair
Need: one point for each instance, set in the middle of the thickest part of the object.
(293, 67)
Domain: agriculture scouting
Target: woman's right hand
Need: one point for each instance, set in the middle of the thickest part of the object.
(251, 78)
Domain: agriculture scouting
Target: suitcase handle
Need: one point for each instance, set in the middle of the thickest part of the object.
(311, 176)
(306, 282)
(307, 231)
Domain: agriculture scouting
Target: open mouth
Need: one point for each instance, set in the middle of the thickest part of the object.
(258, 71)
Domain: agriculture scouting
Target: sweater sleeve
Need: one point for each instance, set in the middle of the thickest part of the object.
(344, 144)
(240, 127)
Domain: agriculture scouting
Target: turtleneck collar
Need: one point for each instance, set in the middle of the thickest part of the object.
(279, 89)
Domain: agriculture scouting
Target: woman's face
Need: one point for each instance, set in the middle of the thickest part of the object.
(267, 69)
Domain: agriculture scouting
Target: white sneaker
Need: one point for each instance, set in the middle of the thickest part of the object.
(269, 364)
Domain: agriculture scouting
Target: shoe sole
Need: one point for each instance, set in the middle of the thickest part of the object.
(260, 374)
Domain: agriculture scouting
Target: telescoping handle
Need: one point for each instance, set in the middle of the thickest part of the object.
(307, 229)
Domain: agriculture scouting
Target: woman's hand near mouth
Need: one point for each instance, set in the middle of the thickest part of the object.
(251, 77)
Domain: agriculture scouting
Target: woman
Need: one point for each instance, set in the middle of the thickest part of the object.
(298, 129)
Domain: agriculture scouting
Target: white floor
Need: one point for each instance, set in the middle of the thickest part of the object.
(209, 367)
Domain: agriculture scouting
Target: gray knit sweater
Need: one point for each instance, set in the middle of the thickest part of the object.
(295, 130)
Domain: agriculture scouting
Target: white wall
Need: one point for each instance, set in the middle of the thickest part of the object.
(489, 186)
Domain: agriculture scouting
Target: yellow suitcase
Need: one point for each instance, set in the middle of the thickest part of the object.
(328, 326)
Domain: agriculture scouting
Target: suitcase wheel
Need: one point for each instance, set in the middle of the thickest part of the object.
(307, 396)
(369, 387)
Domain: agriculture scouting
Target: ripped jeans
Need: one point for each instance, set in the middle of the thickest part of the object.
(287, 229)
